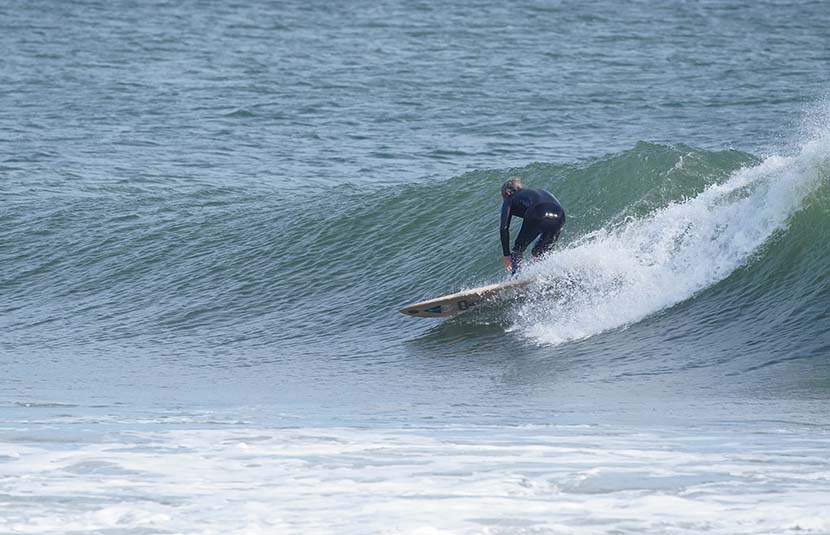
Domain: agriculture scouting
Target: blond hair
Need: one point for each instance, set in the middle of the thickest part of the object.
(512, 185)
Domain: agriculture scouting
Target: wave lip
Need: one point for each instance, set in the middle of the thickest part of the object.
(620, 274)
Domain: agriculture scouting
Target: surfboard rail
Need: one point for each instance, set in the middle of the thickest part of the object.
(456, 303)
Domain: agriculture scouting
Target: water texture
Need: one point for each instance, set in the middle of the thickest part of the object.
(210, 213)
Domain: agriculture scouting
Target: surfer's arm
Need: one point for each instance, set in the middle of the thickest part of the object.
(504, 227)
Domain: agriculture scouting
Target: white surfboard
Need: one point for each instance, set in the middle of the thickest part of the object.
(450, 305)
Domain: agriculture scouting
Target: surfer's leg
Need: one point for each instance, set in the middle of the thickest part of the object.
(545, 243)
(551, 226)
(529, 231)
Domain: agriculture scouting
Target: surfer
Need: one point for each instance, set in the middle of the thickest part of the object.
(543, 216)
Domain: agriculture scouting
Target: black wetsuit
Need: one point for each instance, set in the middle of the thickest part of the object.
(542, 214)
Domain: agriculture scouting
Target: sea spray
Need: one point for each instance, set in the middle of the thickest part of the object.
(613, 277)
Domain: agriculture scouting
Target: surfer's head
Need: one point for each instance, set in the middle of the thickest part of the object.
(510, 187)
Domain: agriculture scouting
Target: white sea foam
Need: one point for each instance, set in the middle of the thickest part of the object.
(618, 276)
(445, 480)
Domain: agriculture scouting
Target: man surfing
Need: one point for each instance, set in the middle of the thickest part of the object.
(543, 218)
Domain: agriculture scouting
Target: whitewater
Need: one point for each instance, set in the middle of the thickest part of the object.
(639, 266)
(210, 214)
(628, 410)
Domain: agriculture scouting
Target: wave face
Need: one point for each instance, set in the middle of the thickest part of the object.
(745, 252)
(679, 259)
(673, 259)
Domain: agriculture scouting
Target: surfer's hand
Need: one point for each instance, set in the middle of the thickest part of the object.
(508, 264)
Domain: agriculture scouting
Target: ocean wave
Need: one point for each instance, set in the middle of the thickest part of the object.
(648, 229)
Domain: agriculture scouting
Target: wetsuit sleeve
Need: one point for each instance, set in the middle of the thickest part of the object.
(504, 228)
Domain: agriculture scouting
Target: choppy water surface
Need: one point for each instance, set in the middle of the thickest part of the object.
(210, 214)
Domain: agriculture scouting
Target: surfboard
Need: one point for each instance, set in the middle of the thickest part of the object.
(453, 304)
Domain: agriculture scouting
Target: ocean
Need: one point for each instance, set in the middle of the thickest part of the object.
(211, 212)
